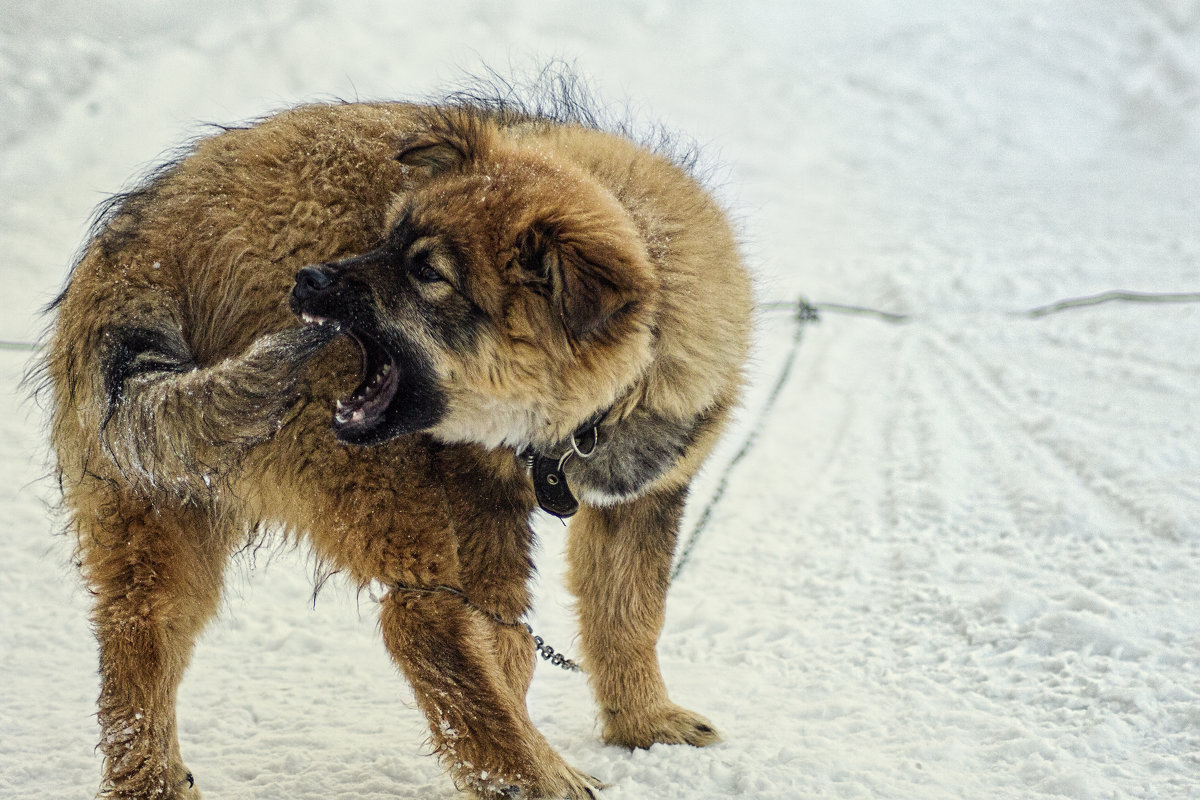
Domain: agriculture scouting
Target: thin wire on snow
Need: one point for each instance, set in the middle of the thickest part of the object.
(804, 314)
(1117, 295)
(1113, 296)
(807, 313)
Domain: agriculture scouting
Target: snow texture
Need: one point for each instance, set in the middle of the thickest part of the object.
(961, 562)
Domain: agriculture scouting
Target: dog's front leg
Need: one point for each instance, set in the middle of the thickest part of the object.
(480, 728)
(620, 565)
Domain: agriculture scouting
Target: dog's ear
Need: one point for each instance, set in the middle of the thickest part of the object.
(588, 280)
(449, 143)
(431, 154)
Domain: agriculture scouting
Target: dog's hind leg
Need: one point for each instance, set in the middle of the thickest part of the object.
(619, 567)
(156, 576)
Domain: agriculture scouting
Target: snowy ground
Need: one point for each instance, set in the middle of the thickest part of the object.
(961, 562)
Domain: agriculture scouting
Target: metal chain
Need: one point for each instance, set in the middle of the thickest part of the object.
(548, 653)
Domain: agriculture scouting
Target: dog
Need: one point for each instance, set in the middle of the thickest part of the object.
(393, 331)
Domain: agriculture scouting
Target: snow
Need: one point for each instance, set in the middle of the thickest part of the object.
(962, 560)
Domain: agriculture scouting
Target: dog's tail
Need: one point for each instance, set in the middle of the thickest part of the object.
(128, 393)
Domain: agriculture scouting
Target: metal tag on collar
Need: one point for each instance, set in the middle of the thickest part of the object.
(583, 444)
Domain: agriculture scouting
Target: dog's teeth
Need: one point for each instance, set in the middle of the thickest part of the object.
(386, 369)
(340, 406)
(357, 416)
(322, 321)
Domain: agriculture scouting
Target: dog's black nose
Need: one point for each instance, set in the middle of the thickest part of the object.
(310, 281)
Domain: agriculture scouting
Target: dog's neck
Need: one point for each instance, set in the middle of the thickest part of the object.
(625, 456)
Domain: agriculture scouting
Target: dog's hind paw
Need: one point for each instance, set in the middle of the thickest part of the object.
(667, 724)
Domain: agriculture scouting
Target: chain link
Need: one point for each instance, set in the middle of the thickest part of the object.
(549, 654)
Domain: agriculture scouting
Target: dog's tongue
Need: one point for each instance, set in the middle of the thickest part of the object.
(369, 400)
(365, 406)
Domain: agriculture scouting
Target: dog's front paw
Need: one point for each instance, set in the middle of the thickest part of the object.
(669, 724)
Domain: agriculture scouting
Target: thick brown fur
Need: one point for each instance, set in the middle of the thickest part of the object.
(190, 408)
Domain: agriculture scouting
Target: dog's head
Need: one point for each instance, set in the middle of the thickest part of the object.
(511, 299)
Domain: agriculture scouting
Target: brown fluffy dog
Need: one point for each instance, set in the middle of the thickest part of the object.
(520, 289)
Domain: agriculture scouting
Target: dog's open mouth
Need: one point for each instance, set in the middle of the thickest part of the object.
(366, 405)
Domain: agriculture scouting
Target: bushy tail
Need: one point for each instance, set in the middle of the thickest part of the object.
(170, 426)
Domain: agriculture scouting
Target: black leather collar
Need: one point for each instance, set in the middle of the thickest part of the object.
(550, 486)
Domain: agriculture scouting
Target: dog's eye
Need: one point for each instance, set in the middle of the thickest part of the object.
(428, 274)
(423, 271)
